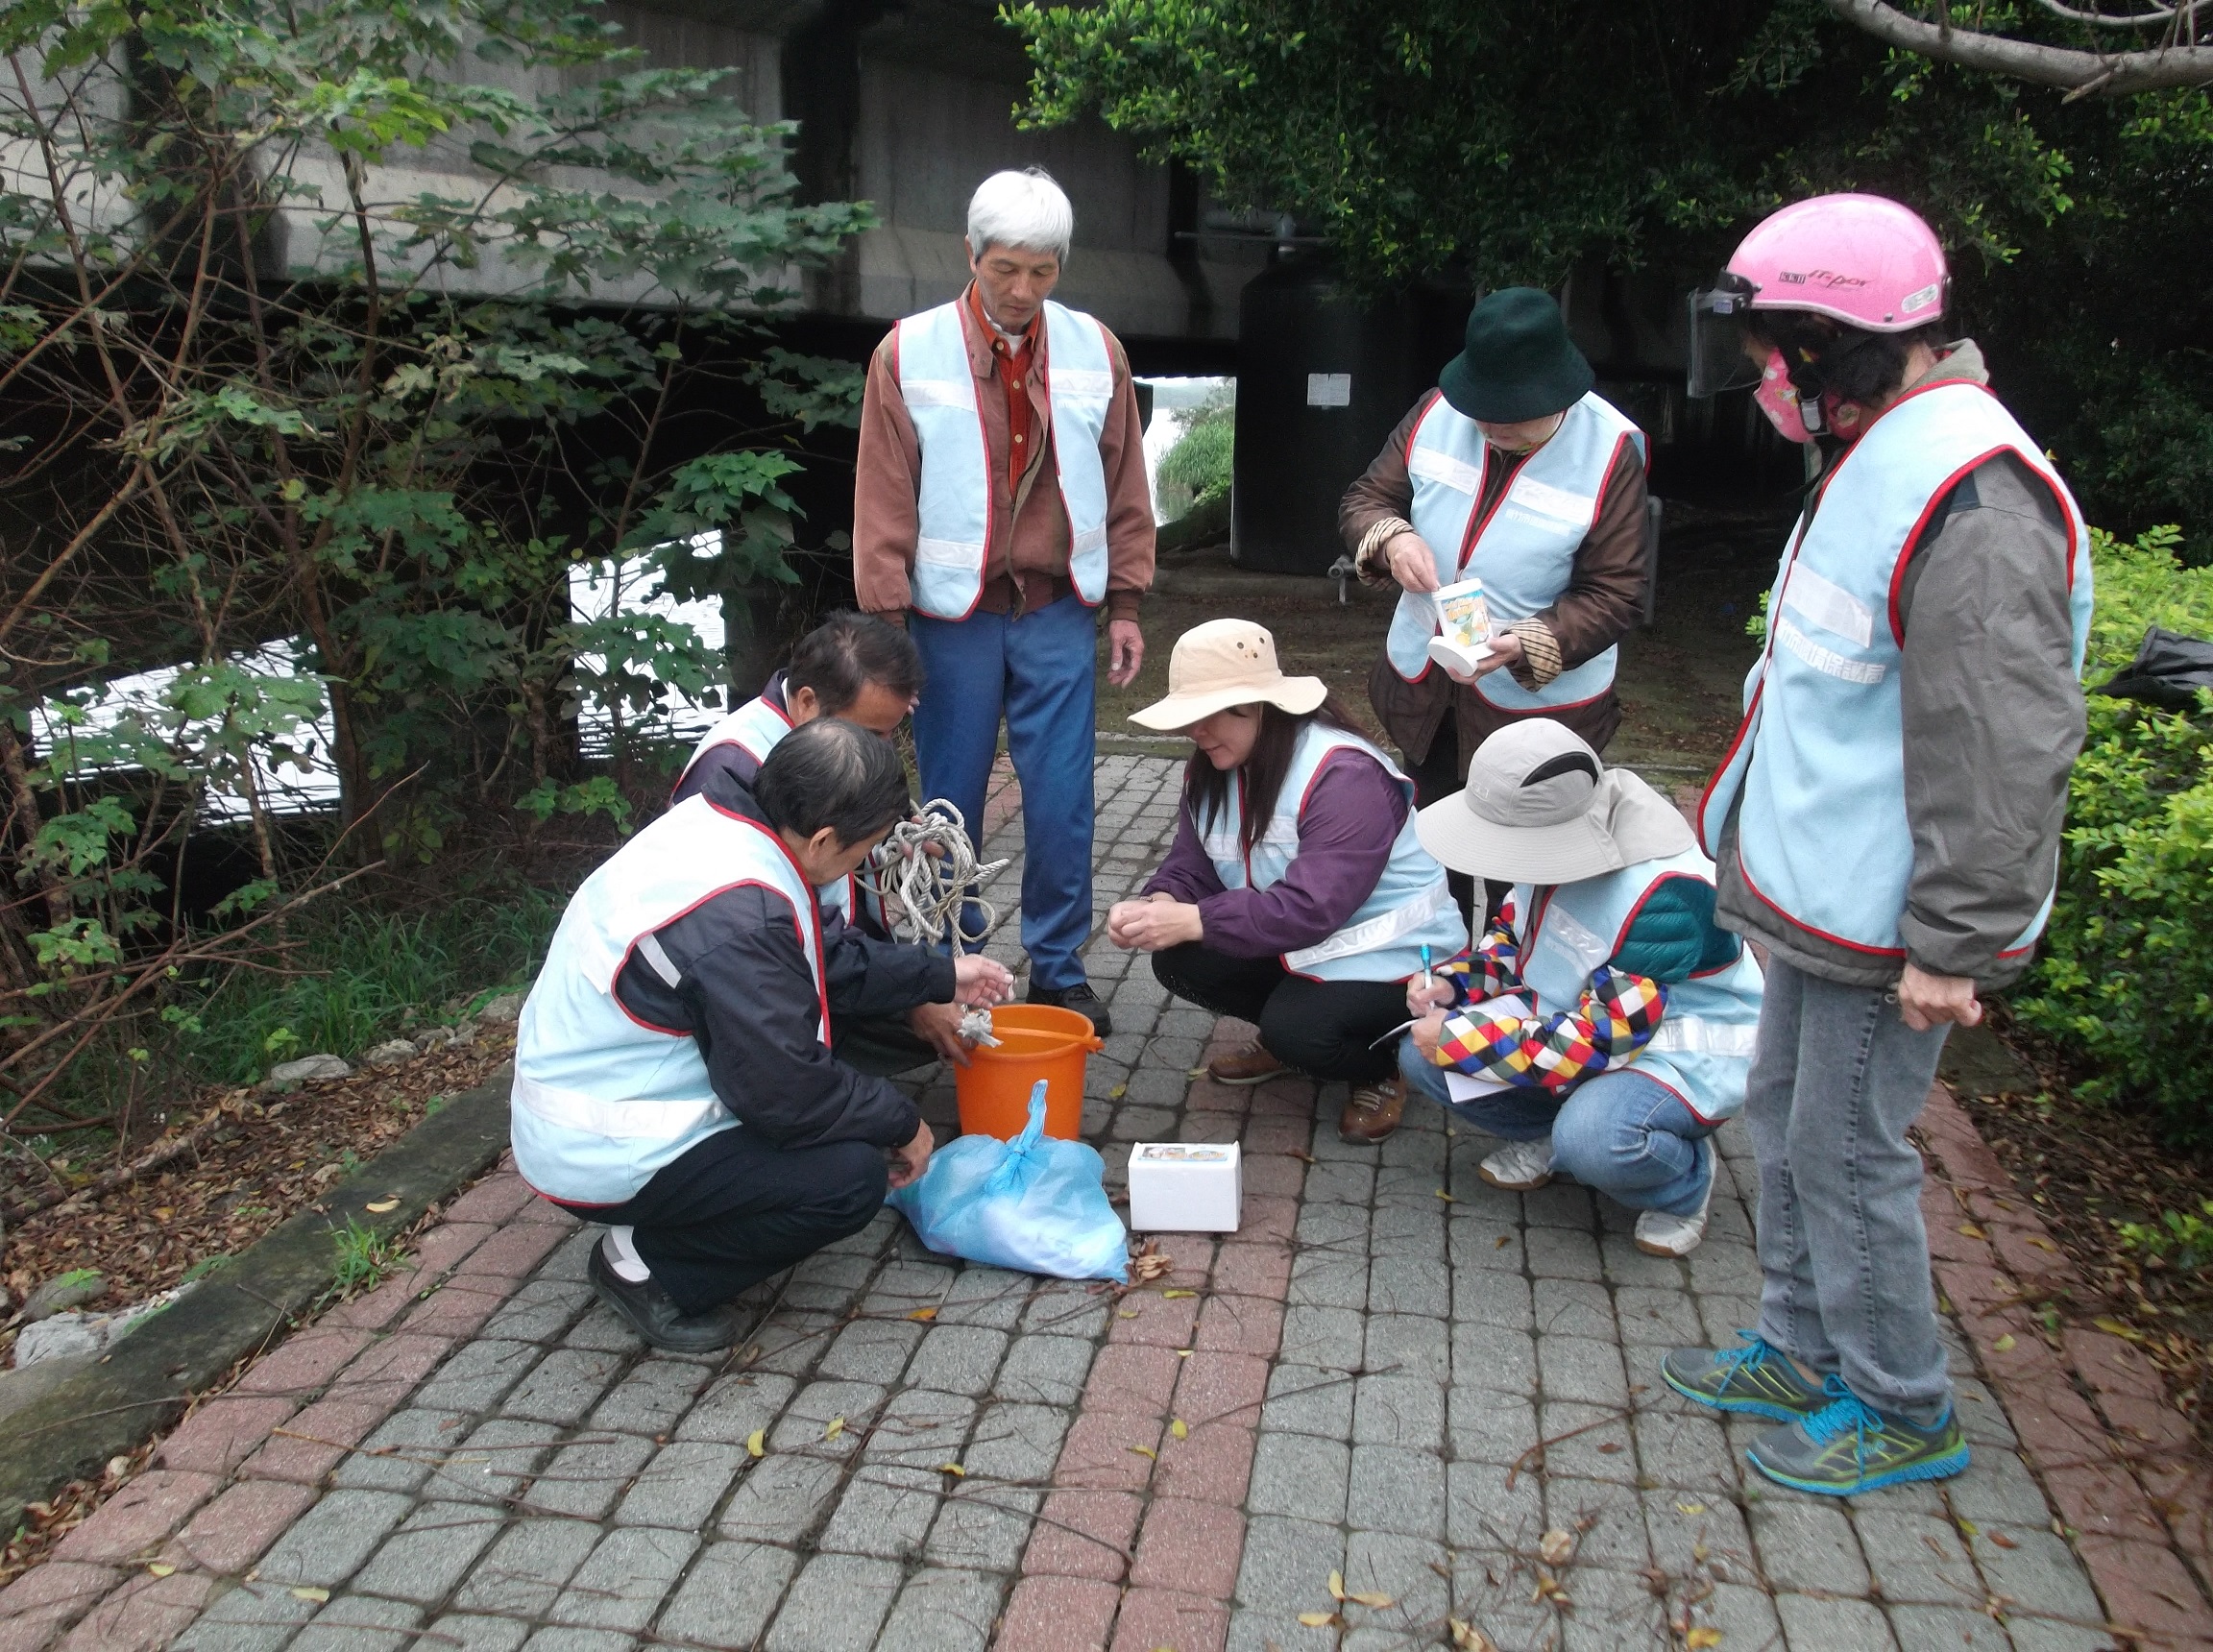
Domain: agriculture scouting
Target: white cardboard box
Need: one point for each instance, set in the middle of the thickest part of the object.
(1185, 1187)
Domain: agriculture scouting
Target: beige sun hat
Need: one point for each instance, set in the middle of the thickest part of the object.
(1540, 808)
(1226, 663)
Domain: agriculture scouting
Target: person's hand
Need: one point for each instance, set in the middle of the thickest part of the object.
(1421, 999)
(938, 1024)
(980, 981)
(1125, 651)
(911, 1160)
(1505, 650)
(1152, 925)
(1926, 1001)
(1411, 563)
(1426, 1031)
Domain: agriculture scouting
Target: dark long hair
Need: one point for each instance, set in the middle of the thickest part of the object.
(1206, 788)
(1855, 364)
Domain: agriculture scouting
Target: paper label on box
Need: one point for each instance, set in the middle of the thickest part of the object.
(1183, 1153)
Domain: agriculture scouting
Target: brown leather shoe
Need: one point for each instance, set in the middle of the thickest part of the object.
(1251, 1065)
(1373, 1112)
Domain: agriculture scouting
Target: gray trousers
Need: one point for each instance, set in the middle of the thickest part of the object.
(1837, 1079)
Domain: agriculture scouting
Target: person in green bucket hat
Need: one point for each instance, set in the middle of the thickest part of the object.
(1516, 474)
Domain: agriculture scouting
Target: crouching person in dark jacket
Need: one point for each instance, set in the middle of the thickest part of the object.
(673, 1074)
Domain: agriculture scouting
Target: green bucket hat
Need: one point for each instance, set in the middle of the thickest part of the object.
(1519, 362)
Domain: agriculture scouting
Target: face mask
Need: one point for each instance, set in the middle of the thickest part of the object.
(1778, 398)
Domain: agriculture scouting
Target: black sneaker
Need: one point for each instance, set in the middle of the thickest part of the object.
(653, 1314)
(1079, 998)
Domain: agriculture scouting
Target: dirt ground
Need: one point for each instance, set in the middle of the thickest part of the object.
(1679, 680)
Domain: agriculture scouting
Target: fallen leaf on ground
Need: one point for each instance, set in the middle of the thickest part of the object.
(1690, 1508)
(923, 1314)
(1557, 1547)
(1316, 1619)
(1336, 1585)
(1183, 1353)
(2004, 1343)
(160, 1567)
(1117, 1092)
(1373, 1602)
(1701, 1636)
(1469, 1638)
(1972, 1231)
(757, 1442)
(1446, 1196)
(2002, 1540)
(1503, 1240)
(1179, 1429)
(2042, 1243)
(1171, 1296)
(1194, 1072)
(378, 1206)
(1145, 1451)
(836, 1429)
(1609, 1448)
(309, 1591)
(953, 1468)
(2117, 1327)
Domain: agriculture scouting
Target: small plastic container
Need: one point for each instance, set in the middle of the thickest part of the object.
(1462, 627)
(1185, 1187)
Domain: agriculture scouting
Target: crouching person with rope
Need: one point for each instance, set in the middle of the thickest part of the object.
(1604, 1025)
(674, 1068)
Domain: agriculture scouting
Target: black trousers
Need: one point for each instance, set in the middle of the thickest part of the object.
(1325, 1028)
(737, 1208)
(880, 1045)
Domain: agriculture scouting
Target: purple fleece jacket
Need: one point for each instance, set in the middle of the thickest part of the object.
(1352, 815)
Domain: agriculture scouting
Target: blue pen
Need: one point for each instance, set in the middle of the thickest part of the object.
(1427, 979)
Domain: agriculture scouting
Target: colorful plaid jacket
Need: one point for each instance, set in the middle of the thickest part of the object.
(1619, 1011)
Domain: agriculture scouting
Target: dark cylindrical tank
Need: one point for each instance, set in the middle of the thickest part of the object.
(1322, 377)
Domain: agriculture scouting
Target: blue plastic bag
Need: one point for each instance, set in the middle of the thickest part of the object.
(1036, 1204)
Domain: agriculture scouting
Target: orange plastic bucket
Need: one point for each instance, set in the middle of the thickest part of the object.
(1035, 1041)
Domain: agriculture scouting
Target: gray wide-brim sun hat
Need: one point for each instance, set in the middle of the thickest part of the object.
(1540, 808)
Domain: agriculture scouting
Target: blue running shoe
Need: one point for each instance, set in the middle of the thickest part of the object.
(1758, 1378)
(1849, 1447)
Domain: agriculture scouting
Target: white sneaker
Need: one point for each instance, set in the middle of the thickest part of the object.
(1520, 1166)
(1660, 1235)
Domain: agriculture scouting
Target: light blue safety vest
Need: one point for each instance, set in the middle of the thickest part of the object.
(1523, 551)
(1409, 907)
(757, 728)
(602, 1100)
(1702, 1049)
(939, 385)
(1819, 762)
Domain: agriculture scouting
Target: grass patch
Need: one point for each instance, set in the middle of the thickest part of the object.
(364, 1258)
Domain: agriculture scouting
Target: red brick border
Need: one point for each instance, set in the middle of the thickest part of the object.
(1139, 1543)
(2121, 1465)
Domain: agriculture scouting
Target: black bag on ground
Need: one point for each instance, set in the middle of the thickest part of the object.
(2168, 671)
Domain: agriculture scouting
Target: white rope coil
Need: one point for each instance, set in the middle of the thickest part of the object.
(924, 894)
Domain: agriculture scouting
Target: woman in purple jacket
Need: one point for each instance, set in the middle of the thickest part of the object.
(1296, 895)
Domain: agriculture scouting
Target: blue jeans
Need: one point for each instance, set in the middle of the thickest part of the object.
(1844, 1259)
(1037, 672)
(1621, 1132)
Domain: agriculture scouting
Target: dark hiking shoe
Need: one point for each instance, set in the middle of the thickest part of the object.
(1848, 1447)
(1758, 1378)
(1372, 1112)
(1250, 1064)
(1079, 998)
(653, 1314)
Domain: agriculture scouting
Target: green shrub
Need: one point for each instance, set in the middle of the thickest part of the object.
(1198, 467)
(2126, 979)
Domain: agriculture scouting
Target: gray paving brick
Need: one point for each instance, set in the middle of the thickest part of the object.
(1747, 1616)
(2039, 1574)
(1044, 1370)
(781, 1498)
(1288, 1564)
(621, 1587)
(836, 1605)
(1493, 1297)
(1691, 1532)
(871, 1350)
(353, 1623)
(1411, 1345)
(564, 1386)
(736, 1406)
(328, 1542)
(958, 1359)
(1612, 1609)
(1065, 1309)
(1134, 1123)
(1332, 1337)
(588, 1478)
(790, 1344)
(399, 1455)
(1303, 1399)
(1487, 1426)
(1336, 1181)
(1488, 1520)
(1951, 1626)
(1494, 1357)
(1831, 1625)
(1660, 1319)
(1411, 1231)
(1398, 1411)
(2044, 1634)
(1572, 1308)
(1807, 1545)
(524, 1572)
(478, 1374)
(681, 1485)
(601, 1330)
(1301, 1475)
(1252, 1630)
(1408, 1285)
(943, 1612)
(1415, 1572)
(252, 1617)
(431, 1552)
(886, 1510)
(559, 1639)
(1609, 1519)
(1581, 1368)
(463, 1632)
(921, 1428)
(1482, 1240)
(1558, 1204)
(805, 1424)
(1720, 1267)
(1587, 1441)
(1334, 1226)
(983, 1527)
(729, 1594)
(828, 1282)
(1683, 1449)
(1329, 1280)
(1395, 1489)
(1015, 1443)
(538, 1311)
(652, 1395)
(1627, 1267)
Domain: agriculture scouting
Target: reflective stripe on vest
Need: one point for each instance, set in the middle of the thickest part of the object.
(757, 728)
(952, 506)
(1702, 1049)
(1818, 769)
(1524, 552)
(1409, 906)
(600, 1100)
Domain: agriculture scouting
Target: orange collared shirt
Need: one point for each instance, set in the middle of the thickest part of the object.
(1013, 364)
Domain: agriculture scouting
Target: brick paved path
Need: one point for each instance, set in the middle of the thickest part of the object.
(476, 1456)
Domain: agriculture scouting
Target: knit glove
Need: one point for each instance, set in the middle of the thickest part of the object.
(1616, 1018)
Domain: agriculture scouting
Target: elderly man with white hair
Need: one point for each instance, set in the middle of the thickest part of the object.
(999, 501)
